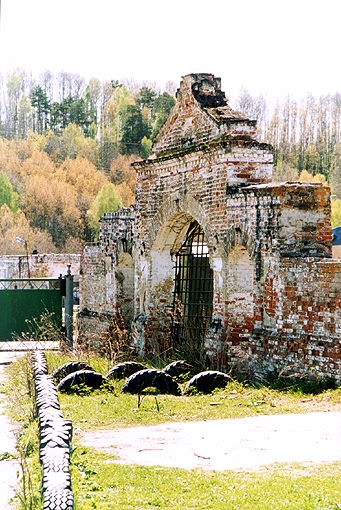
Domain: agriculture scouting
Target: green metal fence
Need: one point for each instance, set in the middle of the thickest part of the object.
(24, 301)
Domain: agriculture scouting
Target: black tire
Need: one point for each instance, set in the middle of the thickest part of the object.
(124, 370)
(177, 368)
(150, 378)
(48, 414)
(56, 480)
(69, 368)
(207, 381)
(39, 363)
(55, 459)
(90, 378)
(55, 436)
(57, 499)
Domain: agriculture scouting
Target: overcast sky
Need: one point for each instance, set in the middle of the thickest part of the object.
(270, 47)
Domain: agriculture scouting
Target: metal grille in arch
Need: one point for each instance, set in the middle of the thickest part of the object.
(193, 291)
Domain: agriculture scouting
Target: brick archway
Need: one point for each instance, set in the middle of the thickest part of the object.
(158, 280)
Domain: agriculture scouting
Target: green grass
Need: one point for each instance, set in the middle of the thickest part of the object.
(103, 485)
(113, 409)
(99, 482)
(110, 408)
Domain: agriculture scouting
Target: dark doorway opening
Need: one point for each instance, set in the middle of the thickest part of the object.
(193, 292)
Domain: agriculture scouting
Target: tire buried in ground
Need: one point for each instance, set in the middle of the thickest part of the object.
(150, 378)
(207, 381)
(88, 378)
(177, 368)
(69, 368)
(124, 370)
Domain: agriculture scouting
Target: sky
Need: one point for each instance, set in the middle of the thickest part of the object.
(270, 47)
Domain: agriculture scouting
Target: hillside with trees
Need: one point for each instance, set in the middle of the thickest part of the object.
(66, 148)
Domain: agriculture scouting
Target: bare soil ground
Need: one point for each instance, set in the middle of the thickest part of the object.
(236, 444)
(9, 465)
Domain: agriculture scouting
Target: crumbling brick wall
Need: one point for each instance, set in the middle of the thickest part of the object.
(275, 296)
(107, 279)
(300, 334)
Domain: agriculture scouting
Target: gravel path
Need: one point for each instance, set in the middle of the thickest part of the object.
(236, 444)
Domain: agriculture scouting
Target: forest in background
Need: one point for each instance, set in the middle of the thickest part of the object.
(66, 148)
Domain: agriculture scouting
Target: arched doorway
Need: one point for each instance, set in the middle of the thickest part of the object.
(193, 292)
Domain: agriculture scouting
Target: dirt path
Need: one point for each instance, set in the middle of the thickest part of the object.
(9, 465)
(237, 444)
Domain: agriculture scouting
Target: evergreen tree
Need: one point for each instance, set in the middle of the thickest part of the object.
(134, 129)
(42, 109)
(162, 107)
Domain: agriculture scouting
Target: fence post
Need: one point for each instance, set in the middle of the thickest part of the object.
(69, 307)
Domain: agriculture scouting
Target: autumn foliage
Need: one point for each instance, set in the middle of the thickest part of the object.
(66, 149)
(54, 206)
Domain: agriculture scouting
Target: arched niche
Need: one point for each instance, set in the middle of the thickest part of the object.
(240, 281)
(124, 274)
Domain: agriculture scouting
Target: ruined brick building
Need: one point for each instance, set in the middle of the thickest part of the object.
(215, 259)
